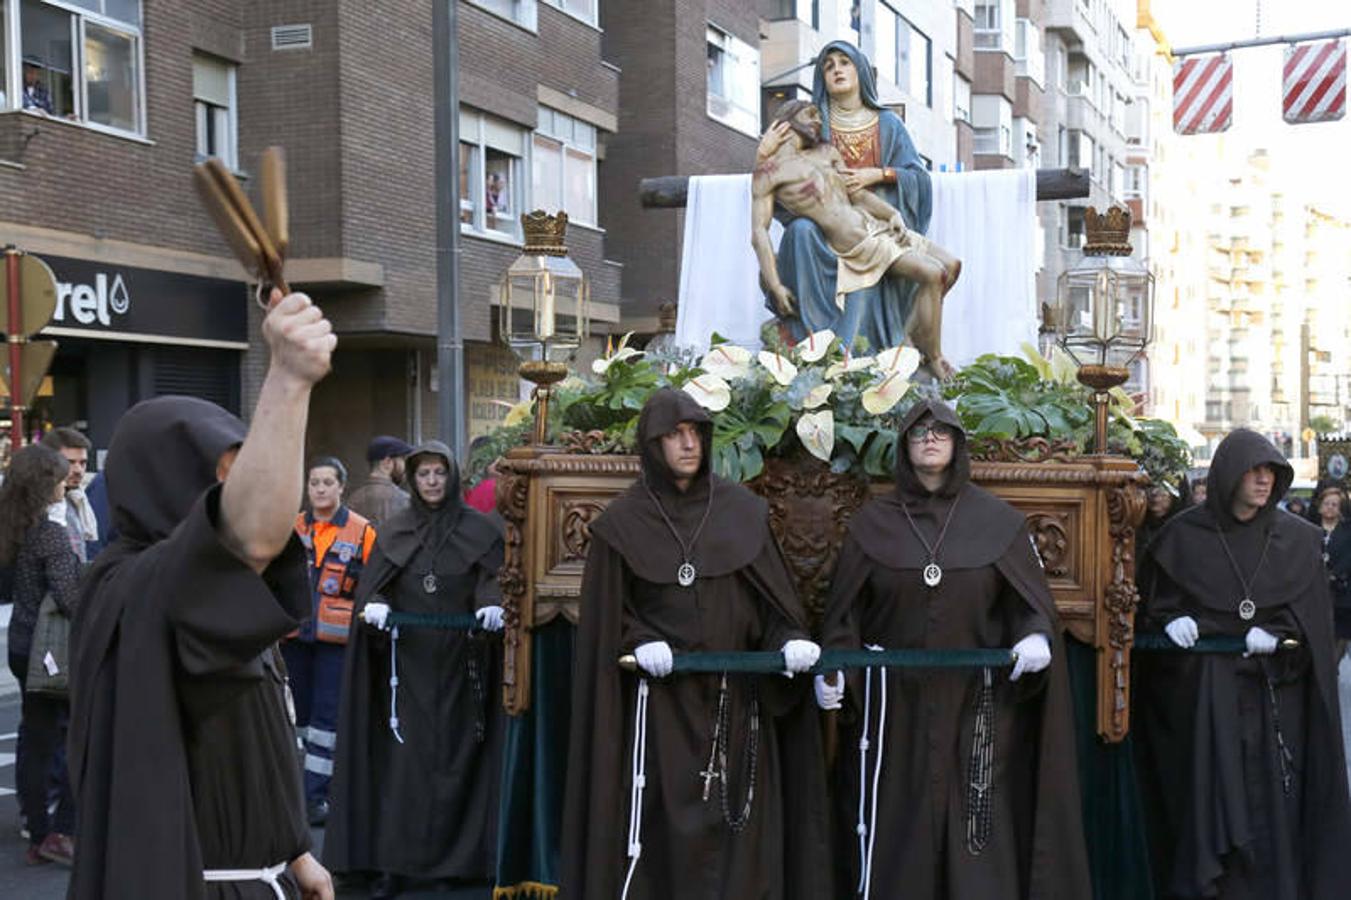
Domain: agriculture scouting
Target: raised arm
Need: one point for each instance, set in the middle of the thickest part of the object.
(762, 214)
(262, 490)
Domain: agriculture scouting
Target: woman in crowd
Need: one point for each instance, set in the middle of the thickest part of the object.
(1330, 509)
(337, 546)
(419, 759)
(36, 545)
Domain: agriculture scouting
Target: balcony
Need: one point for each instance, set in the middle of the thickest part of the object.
(1071, 19)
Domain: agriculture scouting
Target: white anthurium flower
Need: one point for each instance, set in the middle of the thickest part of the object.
(817, 395)
(1064, 370)
(1039, 362)
(727, 361)
(817, 433)
(882, 396)
(814, 346)
(710, 392)
(902, 361)
(602, 365)
(783, 371)
(856, 364)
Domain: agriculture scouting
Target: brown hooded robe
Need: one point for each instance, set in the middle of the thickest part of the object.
(1225, 825)
(182, 752)
(425, 808)
(743, 599)
(992, 594)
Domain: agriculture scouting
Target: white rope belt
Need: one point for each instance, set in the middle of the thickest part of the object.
(394, 683)
(639, 775)
(867, 830)
(268, 876)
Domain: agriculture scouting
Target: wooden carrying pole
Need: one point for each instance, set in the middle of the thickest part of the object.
(671, 191)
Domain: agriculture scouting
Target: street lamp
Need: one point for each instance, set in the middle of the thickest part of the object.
(1104, 309)
(545, 308)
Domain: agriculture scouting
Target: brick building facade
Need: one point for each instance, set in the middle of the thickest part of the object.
(101, 186)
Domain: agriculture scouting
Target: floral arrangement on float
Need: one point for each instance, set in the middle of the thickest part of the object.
(841, 407)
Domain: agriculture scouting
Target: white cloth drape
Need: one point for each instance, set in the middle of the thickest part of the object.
(719, 275)
(986, 219)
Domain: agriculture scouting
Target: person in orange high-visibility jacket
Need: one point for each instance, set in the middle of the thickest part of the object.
(337, 543)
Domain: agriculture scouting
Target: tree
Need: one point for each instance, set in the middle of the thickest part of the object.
(1322, 424)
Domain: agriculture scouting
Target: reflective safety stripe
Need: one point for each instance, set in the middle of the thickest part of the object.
(321, 738)
(318, 765)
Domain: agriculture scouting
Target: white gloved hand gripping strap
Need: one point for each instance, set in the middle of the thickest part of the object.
(638, 783)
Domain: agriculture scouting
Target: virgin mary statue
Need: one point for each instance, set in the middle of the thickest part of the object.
(881, 157)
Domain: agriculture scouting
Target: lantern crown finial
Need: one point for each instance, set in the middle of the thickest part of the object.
(545, 234)
(1109, 233)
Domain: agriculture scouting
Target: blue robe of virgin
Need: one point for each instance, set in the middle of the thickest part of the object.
(806, 262)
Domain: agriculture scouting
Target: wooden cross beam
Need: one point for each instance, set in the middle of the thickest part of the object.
(671, 191)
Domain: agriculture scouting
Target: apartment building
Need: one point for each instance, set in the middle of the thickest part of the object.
(96, 179)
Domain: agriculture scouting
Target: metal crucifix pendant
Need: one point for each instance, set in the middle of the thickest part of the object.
(429, 582)
(685, 574)
(1247, 609)
(932, 574)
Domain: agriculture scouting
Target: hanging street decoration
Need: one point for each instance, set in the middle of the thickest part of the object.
(1314, 88)
(1203, 94)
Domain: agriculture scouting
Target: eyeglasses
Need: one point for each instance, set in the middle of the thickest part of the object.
(916, 434)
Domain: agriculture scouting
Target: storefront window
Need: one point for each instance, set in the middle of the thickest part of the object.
(83, 67)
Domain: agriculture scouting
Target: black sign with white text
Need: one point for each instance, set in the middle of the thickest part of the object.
(128, 302)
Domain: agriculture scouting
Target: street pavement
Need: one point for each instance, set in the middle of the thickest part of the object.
(48, 882)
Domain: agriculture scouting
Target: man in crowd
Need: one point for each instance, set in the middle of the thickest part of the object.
(1244, 752)
(182, 750)
(379, 497)
(80, 519)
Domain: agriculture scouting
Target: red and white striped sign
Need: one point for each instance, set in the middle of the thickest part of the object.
(1203, 94)
(1315, 82)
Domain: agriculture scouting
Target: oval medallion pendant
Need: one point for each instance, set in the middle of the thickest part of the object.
(1247, 609)
(685, 574)
(429, 583)
(932, 574)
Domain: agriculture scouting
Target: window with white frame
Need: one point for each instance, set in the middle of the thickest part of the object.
(579, 9)
(993, 27)
(492, 175)
(564, 155)
(961, 98)
(992, 118)
(1027, 51)
(733, 82)
(904, 54)
(81, 60)
(214, 107)
(522, 12)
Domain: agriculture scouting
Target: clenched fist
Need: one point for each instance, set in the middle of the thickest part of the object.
(300, 338)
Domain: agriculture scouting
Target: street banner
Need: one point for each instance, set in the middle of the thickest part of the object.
(1314, 89)
(1203, 94)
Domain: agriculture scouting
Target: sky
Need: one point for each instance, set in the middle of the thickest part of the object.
(1310, 159)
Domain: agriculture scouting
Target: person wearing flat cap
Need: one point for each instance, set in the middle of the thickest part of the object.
(690, 786)
(1241, 753)
(379, 497)
(965, 784)
(418, 761)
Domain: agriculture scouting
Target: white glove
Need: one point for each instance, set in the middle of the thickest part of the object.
(1032, 654)
(655, 658)
(1183, 632)
(489, 618)
(1260, 642)
(799, 656)
(830, 694)
(376, 615)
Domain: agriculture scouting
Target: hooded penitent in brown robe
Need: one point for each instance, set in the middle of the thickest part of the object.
(931, 837)
(425, 808)
(1244, 756)
(182, 752)
(741, 599)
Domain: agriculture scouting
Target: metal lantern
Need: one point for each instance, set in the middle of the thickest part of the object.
(1104, 310)
(545, 307)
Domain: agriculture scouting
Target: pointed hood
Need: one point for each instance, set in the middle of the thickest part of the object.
(162, 457)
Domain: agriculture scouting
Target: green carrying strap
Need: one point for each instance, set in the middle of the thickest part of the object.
(442, 621)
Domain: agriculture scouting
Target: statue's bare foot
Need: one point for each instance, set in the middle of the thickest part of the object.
(940, 367)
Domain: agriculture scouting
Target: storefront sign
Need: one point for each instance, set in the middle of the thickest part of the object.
(494, 385)
(126, 303)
